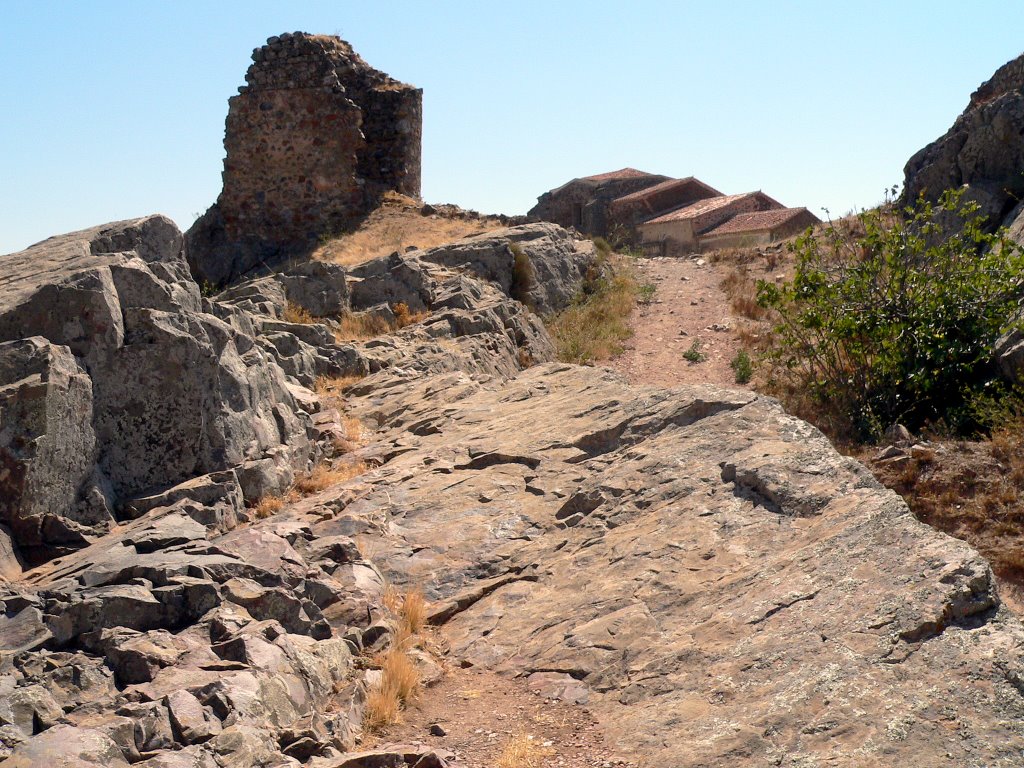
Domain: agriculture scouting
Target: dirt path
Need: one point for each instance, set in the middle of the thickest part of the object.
(688, 306)
(484, 720)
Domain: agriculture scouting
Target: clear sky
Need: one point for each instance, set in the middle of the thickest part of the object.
(116, 109)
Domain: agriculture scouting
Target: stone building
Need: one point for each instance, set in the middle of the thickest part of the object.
(758, 228)
(583, 203)
(313, 140)
(626, 212)
(680, 230)
(668, 216)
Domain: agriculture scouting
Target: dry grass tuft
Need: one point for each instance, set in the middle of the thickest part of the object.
(741, 289)
(359, 327)
(293, 313)
(323, 476)
(267, 506)
(404, 317)
(383, 708)
(397, 224)
(522, 751)
(368, 326)
(399, 679)
(595, 325)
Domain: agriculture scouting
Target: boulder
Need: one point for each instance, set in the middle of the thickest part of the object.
(983, 150)
(114, 381)
(65, 746)
(47, 443)
(540, 264)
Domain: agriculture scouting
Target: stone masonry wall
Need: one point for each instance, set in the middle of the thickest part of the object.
(313, 140)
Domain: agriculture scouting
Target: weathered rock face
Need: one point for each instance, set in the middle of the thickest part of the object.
(728, 588)
(716, 582)
(313, 141)
(984, 149)
(115, 381)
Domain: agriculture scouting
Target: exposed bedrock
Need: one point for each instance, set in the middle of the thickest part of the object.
(717, 583)
(117, 382)
(727, 588)
(984, 150)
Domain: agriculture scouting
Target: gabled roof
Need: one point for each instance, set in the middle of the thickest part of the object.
(704, 206)
(623, 173)
(758, 221)
(664, 186)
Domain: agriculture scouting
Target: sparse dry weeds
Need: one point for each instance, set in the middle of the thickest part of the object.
(522, 751)
(399, 680)
(267, 506)
(595, 325)
(360, 327)
(323, 476)
(293, 313)
(397, 224)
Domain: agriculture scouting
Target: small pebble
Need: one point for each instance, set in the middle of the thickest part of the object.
(437, 730)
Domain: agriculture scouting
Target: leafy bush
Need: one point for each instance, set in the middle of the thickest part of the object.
(742, 367)
(696, 353)
(897, 324)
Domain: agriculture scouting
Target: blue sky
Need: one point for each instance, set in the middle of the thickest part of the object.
(116, 109)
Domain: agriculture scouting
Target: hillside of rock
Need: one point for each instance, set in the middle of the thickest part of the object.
(705, 571)
(984, 150)
(150, 616)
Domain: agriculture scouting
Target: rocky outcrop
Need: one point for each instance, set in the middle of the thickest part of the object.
(313, 141)
(703, 570)
(138, 428)
(726, 588)
(115, 382)
(984, 149)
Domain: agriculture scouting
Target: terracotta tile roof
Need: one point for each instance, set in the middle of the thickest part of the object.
(663, 186)
(698, 208)
(757, 221)
(624, 173)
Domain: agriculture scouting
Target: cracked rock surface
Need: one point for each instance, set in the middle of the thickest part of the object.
(705, 572)
(728, 588)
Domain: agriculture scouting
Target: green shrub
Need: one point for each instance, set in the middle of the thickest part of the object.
(603, 248)
(897, 324)
(645, 293)
(695, 354)
(742, 367)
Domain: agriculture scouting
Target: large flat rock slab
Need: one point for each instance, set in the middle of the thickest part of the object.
(729, 590)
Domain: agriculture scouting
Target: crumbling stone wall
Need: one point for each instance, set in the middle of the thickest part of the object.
(313, 140)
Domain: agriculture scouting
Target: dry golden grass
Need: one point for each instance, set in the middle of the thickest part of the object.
(522, 751)
(293, 313)
(360, 327)
(267, 506)
(593, 327)
(394, 226)
(382, 708)
(741, 290)
(399, 679)
(323, 476)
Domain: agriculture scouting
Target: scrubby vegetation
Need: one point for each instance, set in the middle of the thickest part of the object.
(399, 681)
(742, 367)
(359, 327)
(897, 324)
(594, 326)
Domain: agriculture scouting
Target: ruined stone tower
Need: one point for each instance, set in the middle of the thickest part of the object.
(313, 140)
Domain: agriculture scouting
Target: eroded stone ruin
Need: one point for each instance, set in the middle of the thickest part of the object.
(312, 141)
